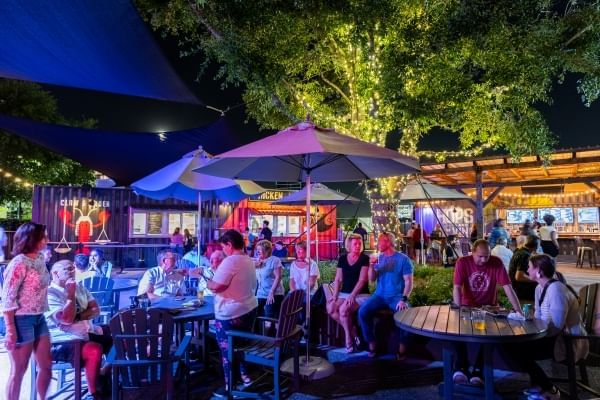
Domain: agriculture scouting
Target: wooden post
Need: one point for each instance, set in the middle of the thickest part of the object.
(479, 202)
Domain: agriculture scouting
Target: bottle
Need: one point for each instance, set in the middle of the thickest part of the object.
(200, 296)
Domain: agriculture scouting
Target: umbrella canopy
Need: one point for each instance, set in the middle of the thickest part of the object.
(319, 194)
(425, 190)
(306, 150)
(303, 152)
(177, 181)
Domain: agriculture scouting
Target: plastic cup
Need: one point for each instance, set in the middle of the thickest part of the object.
(478, 318)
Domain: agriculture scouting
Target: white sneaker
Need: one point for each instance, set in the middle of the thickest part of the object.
(460, 378)
(552, 394)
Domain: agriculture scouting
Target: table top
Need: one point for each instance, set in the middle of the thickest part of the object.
(205, 311)
(443, 322)
(124, 284)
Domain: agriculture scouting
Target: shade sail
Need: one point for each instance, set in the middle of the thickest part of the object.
(319, 194)
(177, 181)
(123, 156)
(97, 45)
(425, 190)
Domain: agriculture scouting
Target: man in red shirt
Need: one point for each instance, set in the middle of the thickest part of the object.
(476, 278)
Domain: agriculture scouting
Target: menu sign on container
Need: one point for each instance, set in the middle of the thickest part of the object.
(587, 215)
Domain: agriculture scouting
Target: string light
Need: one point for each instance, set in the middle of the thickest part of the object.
(15, 179)
(442, 155)
(552, 195)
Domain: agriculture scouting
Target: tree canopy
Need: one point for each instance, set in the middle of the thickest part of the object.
(25, 160)
(370, 67)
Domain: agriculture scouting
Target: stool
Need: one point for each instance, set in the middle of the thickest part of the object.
(582, 251)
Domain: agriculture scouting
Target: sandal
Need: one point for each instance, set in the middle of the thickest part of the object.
(350, 348)
(372, 351)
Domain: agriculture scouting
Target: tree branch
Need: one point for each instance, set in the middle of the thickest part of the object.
(337, 89)
(214, 33)
(577, 35)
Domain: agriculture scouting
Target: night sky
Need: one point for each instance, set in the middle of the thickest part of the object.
(574, 124)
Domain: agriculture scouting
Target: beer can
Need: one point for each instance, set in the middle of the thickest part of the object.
(526, 310)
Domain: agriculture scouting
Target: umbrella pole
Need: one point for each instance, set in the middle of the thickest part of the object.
(199, 227)
(308, 224)
(317, 233)
(422, 252)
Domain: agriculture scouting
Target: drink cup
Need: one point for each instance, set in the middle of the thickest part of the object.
(478, 318)
(374, 258)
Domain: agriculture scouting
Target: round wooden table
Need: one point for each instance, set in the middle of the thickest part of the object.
(455, 325)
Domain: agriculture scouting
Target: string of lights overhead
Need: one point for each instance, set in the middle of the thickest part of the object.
(7, 175)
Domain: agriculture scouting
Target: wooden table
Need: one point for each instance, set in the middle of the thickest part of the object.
(454, 325)
(202, 314)
(59, 337)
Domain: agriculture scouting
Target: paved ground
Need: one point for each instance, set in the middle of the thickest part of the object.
(351, 376)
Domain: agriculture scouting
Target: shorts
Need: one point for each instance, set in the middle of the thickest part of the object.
(360, 298)
(64, 352)
(30, 328)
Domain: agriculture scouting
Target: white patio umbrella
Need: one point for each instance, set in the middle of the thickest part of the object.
(178, 181)
(320, 195)
(303, 152)
(424, 190)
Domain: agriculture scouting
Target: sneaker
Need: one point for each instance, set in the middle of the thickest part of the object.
(220, 393)
(476, 380)
(552, 394)
(460, 378)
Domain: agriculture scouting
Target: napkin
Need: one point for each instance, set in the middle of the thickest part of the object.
(192, 303)
(516, 316)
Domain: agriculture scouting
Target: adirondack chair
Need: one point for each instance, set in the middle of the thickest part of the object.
(101, 288)
(269, 351)
(588, 297)
(142, 356)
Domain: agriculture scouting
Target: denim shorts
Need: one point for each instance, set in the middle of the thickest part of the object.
(30, 328)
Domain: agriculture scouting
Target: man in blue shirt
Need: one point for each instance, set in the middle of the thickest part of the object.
(394, 274)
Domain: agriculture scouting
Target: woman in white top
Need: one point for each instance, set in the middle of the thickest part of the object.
(299, 270)
(557, 305)
(234, 285)
(548, 236)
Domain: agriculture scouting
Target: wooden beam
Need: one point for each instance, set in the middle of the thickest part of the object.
(507, 165)
(516, 173)
(492, 175)
(545, 171)
(492, 195)
(479, 202)
(592, 185)
(540, 182)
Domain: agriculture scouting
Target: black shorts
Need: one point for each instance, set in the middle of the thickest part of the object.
(64, 352)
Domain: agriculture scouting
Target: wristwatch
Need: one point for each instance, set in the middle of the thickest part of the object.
(404, 298)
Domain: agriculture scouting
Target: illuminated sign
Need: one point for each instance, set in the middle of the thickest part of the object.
(271, 195)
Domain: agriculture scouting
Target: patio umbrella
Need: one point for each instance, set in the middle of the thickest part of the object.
(320, 195)
(423, 190)
(177, 181)
(303, 152)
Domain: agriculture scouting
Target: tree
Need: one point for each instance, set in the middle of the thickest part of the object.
(370, 67)
(27, 161)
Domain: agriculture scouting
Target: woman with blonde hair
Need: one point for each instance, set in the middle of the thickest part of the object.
(268, 275)
(350, 288)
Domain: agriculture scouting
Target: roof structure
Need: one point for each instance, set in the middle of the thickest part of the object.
(580, 165)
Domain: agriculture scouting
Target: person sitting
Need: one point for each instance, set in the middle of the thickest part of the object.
(523, 284)
(154, 281)
(451, 252)
(350, 288)
(301, 269)
(206, 273)
(81, 262)
(72, 309)
(476, 278)
(502, 252)
(268, 276)
(393, 272)
(191, 260)
(280, 250)
(99, 264)
(558, 306)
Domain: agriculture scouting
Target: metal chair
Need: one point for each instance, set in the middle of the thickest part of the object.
(142, 353)
(582, 252)
(269, 351)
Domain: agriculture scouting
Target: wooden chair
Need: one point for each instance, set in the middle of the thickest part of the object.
(588, 297)
(101, 288)
(269, 351)
(141, 355)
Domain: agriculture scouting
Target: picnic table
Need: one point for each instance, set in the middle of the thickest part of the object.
(455, 325)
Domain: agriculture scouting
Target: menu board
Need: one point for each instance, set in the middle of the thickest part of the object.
(519, 216)
(139, 223)
(188, 221)
(174, 222)
(155, 222)
(293, 225)
(587, 215)
(281, 227)
(404, 211)
(562, 214)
